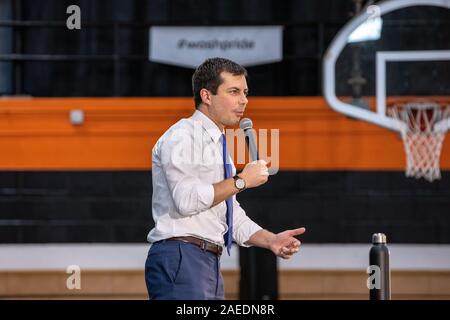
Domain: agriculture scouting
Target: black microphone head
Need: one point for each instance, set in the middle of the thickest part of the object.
(246, 124)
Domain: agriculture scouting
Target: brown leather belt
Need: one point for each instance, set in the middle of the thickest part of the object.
(203, 244)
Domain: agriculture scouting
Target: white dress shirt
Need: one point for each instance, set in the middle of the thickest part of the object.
(186, 161)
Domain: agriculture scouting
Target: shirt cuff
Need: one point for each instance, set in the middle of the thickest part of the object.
(245, 231)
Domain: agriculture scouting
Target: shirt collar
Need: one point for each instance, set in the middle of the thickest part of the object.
(208, 124)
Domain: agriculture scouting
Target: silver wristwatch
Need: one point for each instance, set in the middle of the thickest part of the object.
(239, 183)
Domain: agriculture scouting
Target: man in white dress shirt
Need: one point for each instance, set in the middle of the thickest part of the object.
(194, 205)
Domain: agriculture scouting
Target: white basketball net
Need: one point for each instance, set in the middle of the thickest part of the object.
(422, 139)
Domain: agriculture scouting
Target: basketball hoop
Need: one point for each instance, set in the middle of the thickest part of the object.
(423, 128)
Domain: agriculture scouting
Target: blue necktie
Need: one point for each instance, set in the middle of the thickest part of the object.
(228, 237)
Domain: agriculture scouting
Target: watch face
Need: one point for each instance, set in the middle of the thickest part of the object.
(240, 183)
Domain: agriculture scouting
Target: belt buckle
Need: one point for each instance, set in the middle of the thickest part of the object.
(203, 245)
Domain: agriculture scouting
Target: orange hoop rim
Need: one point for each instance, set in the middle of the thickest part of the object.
(400, 102)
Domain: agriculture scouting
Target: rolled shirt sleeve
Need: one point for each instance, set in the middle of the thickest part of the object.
(243, 226)
(179, 154)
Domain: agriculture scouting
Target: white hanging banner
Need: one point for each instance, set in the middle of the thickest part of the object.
(190, 46)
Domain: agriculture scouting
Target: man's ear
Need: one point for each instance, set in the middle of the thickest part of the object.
(206, 96)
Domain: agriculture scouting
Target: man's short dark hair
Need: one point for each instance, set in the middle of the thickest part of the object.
(208, 76)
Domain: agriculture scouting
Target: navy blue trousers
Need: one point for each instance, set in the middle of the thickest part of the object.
(176, 270)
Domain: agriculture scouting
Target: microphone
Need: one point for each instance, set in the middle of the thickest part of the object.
(247, 126)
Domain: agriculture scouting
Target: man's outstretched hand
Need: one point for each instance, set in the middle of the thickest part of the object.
(284, 244)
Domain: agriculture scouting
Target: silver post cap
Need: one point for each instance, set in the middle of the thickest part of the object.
(378, 238)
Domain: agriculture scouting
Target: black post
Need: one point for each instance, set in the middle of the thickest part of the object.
(380, 288)
(259, 274)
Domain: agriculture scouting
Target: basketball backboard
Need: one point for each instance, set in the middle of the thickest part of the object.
(393, 49)
(395, 54)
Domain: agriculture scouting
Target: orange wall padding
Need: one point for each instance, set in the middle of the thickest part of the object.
(118, 134)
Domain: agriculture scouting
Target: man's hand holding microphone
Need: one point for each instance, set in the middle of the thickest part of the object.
(255, 173)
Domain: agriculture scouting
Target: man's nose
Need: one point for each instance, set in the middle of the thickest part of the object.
(244, 99)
